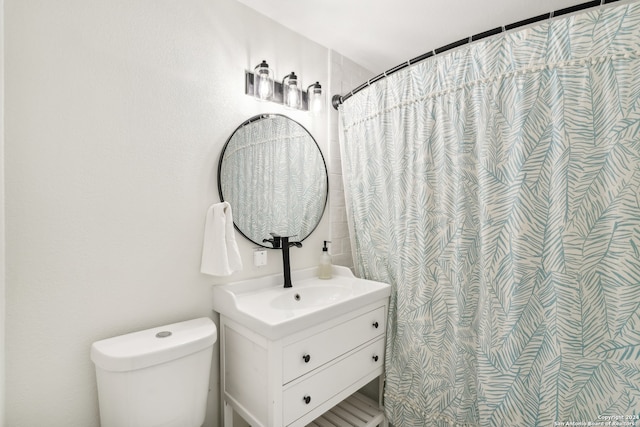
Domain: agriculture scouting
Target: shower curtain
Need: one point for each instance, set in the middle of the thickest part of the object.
(497, 189)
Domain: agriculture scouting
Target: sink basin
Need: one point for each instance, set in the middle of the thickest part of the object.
(309, 296)
(265, 306)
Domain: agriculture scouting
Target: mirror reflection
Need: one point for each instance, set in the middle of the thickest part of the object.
(274, 176)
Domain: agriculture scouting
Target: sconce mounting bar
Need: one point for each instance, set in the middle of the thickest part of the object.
(278, 91)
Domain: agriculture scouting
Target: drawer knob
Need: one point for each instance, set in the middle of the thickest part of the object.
(306, 358)
(375, 358)
(307, 399)
(375, 325)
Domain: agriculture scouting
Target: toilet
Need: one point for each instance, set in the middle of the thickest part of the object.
(158, 377)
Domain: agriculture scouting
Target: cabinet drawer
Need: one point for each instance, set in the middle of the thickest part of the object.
(308, 354)
(326, 383)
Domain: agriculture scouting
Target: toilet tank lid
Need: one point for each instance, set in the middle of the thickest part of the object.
(153, 346)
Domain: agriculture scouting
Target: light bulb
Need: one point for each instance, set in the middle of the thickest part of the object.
(264, 86)
(293, 98)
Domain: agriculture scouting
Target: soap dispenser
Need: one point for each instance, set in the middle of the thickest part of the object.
(324, 269)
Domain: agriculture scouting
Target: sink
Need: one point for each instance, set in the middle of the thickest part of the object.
(265, 306)
(309, 296)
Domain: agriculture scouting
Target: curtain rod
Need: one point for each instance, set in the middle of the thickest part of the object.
(339, 99)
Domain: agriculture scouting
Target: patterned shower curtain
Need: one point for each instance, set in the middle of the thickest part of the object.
(497, 188)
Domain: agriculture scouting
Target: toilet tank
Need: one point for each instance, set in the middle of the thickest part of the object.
(158, 377)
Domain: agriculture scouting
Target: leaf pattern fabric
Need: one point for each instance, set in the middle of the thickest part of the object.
(497, 188)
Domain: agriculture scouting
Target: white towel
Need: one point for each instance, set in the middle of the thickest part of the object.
(220, 254)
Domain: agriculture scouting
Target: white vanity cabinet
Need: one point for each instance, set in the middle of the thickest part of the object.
(292, 380)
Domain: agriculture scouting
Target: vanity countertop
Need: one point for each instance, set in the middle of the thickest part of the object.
(266, 307)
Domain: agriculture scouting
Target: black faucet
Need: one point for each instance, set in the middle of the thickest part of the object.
(282, 242)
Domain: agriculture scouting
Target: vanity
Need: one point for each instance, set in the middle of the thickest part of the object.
(294, 349)
(288, 356)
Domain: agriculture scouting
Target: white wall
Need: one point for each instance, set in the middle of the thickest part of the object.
(346, 75)
(116, 112)
(2, 231)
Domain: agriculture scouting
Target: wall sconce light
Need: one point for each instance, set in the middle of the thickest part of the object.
(291, 94)
(263, 81)
(261, 84)
(315, 98)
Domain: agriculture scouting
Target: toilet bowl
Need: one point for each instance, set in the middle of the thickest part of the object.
(158, 377)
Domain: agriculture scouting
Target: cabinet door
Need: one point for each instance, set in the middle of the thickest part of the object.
(310, 353)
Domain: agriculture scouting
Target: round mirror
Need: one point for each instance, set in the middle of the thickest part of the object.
(274, 176)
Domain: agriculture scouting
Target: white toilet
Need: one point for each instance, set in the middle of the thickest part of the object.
(157, 377)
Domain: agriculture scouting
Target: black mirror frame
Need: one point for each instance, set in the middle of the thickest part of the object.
(324, 163)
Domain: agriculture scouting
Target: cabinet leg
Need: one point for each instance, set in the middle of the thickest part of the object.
(381, 379)
(227, 415)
